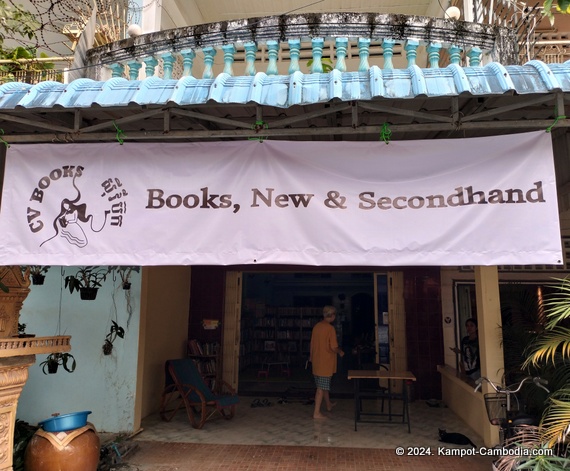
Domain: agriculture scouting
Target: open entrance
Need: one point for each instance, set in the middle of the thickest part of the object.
(278, 312)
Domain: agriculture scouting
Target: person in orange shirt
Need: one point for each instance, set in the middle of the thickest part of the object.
(324, 349)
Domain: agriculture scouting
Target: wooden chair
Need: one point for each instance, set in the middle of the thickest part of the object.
(185, 388)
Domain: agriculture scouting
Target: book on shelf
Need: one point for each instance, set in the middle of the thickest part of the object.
(194, 347)
(198, 348)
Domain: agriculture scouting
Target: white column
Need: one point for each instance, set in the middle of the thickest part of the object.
(151, 17)
(468, 6)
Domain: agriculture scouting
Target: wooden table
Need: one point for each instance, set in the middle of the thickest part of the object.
(381, 417)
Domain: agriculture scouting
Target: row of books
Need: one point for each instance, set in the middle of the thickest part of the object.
(206, 367)
(198, 348)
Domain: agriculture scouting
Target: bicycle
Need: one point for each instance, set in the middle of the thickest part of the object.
(500, 408)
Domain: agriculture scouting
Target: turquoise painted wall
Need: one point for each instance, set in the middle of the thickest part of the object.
(102, 384)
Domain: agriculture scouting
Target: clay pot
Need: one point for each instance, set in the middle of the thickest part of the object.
(80, 454)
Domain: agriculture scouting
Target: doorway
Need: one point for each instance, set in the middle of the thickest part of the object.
(279, 310)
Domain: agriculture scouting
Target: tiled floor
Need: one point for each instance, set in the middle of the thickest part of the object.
(285, 437)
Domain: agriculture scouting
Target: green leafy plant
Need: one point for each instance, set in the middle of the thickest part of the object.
(125, 273)
(37, 273)
(325, 62)
(21, 328)
(23, 433)
(53, 361)
(561, 6)
(16, 21)
(87, 281)
(549, 356)
(86, 277)
(115, 331)
(39, 269)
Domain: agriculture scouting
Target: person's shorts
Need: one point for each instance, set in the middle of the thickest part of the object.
(323, 382)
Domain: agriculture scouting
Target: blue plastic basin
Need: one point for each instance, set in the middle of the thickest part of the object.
(61, 423)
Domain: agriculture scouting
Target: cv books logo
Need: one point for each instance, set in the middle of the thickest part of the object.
(67, 204)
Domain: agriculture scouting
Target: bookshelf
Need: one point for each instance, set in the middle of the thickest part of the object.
(277, 334)
(206, 355)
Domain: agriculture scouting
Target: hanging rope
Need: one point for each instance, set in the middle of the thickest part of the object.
(60, 299)
(120, 133)
(549, 128)
(2, 140)
(258, 126)
(386, 133)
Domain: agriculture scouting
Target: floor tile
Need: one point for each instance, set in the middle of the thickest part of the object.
(286, 437)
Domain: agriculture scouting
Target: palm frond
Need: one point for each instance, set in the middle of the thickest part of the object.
(557, 305)
(549, 345)
(556, 420)
(535, 453)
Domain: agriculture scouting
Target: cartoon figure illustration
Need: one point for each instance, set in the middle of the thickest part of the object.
(68, 221)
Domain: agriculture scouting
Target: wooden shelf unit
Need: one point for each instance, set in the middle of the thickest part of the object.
(207, 356)
(279, 334)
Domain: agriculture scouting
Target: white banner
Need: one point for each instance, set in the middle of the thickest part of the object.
(484, 201)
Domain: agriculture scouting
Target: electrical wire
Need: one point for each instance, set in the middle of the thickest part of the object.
(51, 13)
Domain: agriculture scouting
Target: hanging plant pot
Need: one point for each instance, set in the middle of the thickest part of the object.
(126, 285)
(88, 294)
(107, 348)
(38, 279)
(52, 367)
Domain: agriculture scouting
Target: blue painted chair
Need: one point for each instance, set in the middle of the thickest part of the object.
(185, 388)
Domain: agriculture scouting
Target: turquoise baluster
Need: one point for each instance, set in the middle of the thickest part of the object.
(150, 66)
(388, 52)
(411, 48)
(134, 68)
(209, 54)
(188, 56)
(168, 60)
(294, 52)
(433, 55)
(363, 53)
(454, 54)
(229, 53)
(250, 56)
(117, 70)
(272, 54)
(341, 47)
(317, 65)
(474, 55)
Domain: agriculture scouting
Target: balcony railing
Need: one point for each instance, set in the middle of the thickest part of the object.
(15, 346)
(287, 44)
(32, 76)
(314, 43)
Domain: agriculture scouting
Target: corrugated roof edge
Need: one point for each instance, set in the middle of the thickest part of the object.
(298, 88)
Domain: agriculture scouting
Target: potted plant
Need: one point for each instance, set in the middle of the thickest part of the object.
(22, 331)
(37, 272)
(87, 281)
(53, 361)
(125, 274)
(115, 331)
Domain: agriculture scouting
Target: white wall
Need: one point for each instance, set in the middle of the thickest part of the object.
(102, 384)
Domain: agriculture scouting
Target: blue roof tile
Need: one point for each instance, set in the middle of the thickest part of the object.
(12, 93)
(42, 95)
(562, 74)
(296, 89)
